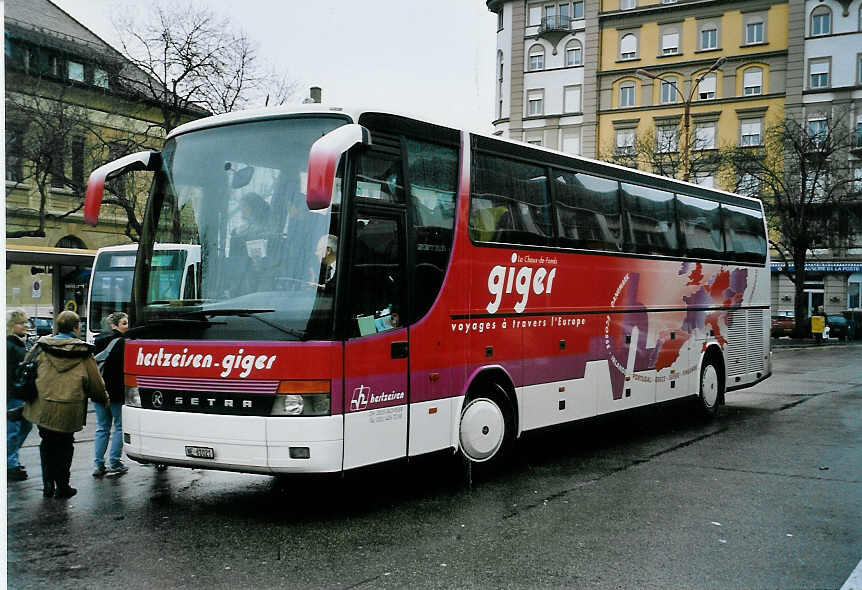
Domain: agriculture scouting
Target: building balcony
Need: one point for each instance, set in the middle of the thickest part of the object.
(555, 27)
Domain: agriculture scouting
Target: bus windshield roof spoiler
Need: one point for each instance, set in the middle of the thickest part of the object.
(96, 183)
(323, 159)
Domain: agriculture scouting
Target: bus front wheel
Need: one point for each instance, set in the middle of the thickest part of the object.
(709, 393)
(483, 431)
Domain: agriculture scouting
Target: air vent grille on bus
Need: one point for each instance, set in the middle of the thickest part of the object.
(756, 340)
(746, 341)
(736, 335)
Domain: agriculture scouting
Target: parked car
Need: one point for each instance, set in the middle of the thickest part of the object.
(40, 326)
(782, 325)
(839, 327)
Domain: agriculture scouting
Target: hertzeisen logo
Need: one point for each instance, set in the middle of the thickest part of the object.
(243, 363)
(525, 279)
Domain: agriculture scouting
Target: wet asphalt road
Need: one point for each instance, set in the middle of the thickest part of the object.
(769, 495)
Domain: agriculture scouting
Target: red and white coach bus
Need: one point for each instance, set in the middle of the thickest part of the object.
(375, 287)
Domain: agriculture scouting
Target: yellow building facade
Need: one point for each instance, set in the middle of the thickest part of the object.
(726, 61)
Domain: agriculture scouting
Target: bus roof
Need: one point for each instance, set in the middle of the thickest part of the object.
(134, 247)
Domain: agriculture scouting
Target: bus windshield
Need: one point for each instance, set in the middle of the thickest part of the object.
(267, 267)
(112, 283)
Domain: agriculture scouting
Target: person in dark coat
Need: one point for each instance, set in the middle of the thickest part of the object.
(17, 429)
(66, 376)
(114, 384)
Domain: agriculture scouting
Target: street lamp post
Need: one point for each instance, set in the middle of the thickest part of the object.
(686, 103)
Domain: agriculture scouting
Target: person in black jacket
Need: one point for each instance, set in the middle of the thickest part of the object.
(18, 429)
(113, 375)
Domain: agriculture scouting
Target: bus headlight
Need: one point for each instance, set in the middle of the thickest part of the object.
(302, 398)
(133, 396)
(314, 404)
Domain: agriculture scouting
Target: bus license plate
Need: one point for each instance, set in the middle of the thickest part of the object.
(200, 452)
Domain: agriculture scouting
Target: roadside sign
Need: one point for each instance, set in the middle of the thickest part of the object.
(37, 289)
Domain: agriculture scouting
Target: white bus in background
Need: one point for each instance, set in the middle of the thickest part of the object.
(176, 276)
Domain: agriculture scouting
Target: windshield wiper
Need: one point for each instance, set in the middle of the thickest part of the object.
(247, 313)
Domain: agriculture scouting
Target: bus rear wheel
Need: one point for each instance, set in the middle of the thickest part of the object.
(484, 430)
(709, 393)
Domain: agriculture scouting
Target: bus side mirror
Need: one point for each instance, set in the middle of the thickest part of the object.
(111, 170)
(323, 161)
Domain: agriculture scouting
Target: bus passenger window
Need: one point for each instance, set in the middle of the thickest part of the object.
(651, 220)
(700, 227)
(510, 202)
(744, 234)
(588, 211)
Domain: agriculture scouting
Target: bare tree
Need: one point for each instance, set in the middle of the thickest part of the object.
(191, 62)
(659, 151)
(54, 144)
(802, 172)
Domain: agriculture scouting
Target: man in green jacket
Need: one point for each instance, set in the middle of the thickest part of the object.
(67, 375)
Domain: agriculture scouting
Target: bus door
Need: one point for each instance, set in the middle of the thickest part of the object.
(376, 352)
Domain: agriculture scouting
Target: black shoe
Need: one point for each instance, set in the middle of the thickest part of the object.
(66, 492)
(48, 490)
(16, 474)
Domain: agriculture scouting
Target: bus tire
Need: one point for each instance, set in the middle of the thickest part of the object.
(485, 429)
(709, 388)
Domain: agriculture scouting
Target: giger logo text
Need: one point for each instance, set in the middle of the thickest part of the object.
(503, 279)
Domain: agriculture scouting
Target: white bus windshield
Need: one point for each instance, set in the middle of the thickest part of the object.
(267, 262)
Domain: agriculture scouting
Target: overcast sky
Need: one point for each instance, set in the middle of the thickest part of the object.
(434, 59)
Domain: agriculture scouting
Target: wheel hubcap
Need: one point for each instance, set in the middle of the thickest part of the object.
(482, 430)
(709, 386)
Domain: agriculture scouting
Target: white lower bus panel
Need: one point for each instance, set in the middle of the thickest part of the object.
(253, 444)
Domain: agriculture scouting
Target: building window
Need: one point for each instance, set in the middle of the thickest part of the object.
(537, 58)
(749, 186)
(78, 164)
(817, 130)
(534, 15)
(666, 139)
(628, 4)
(752, 81)
(76, 71)
(754, 31)
(573, 53)
(854, 291)
(749, 132)
(668, 91)
(100, 78)
(535, 100)
(625, 141)
(821, 21)
(859, 67)
(627, 94)
(857, 136)
(706, 87)
(571, 142)
(572, 99)
(670, 43)
(704, 179)
(14, 152)
(577, 10)
(57, 167)
(628, 47)
(818, 73)
(709, 37)
(704, 136)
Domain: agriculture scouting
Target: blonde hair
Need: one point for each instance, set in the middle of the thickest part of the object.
(67, 321)
(16, 317)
